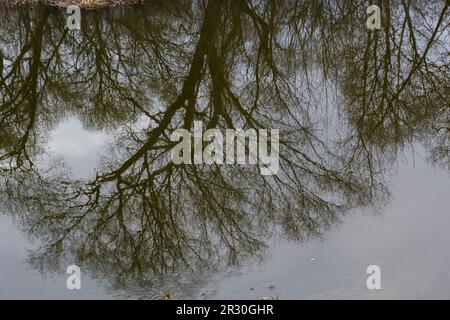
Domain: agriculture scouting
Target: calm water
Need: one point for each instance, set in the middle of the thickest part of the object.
(86, 175)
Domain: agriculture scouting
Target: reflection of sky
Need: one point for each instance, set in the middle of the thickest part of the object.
(17, 281)
(409, 242)
(79, 147)
(80, 150)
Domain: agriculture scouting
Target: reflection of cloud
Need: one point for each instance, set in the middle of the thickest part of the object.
(79, 147)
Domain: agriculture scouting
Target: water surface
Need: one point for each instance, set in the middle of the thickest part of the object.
(86, 175)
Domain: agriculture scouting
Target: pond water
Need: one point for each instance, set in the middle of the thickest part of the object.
(86, 170)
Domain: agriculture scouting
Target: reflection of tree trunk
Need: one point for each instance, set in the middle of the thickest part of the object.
(21, 103)
(1, 68)
(5, 139)
(31, 108)
(187, 98)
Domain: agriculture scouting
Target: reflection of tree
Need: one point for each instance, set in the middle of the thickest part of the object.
(231, 65)
(397, 85)
(19, 106)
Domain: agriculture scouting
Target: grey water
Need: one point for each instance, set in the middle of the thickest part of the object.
(86, 176)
